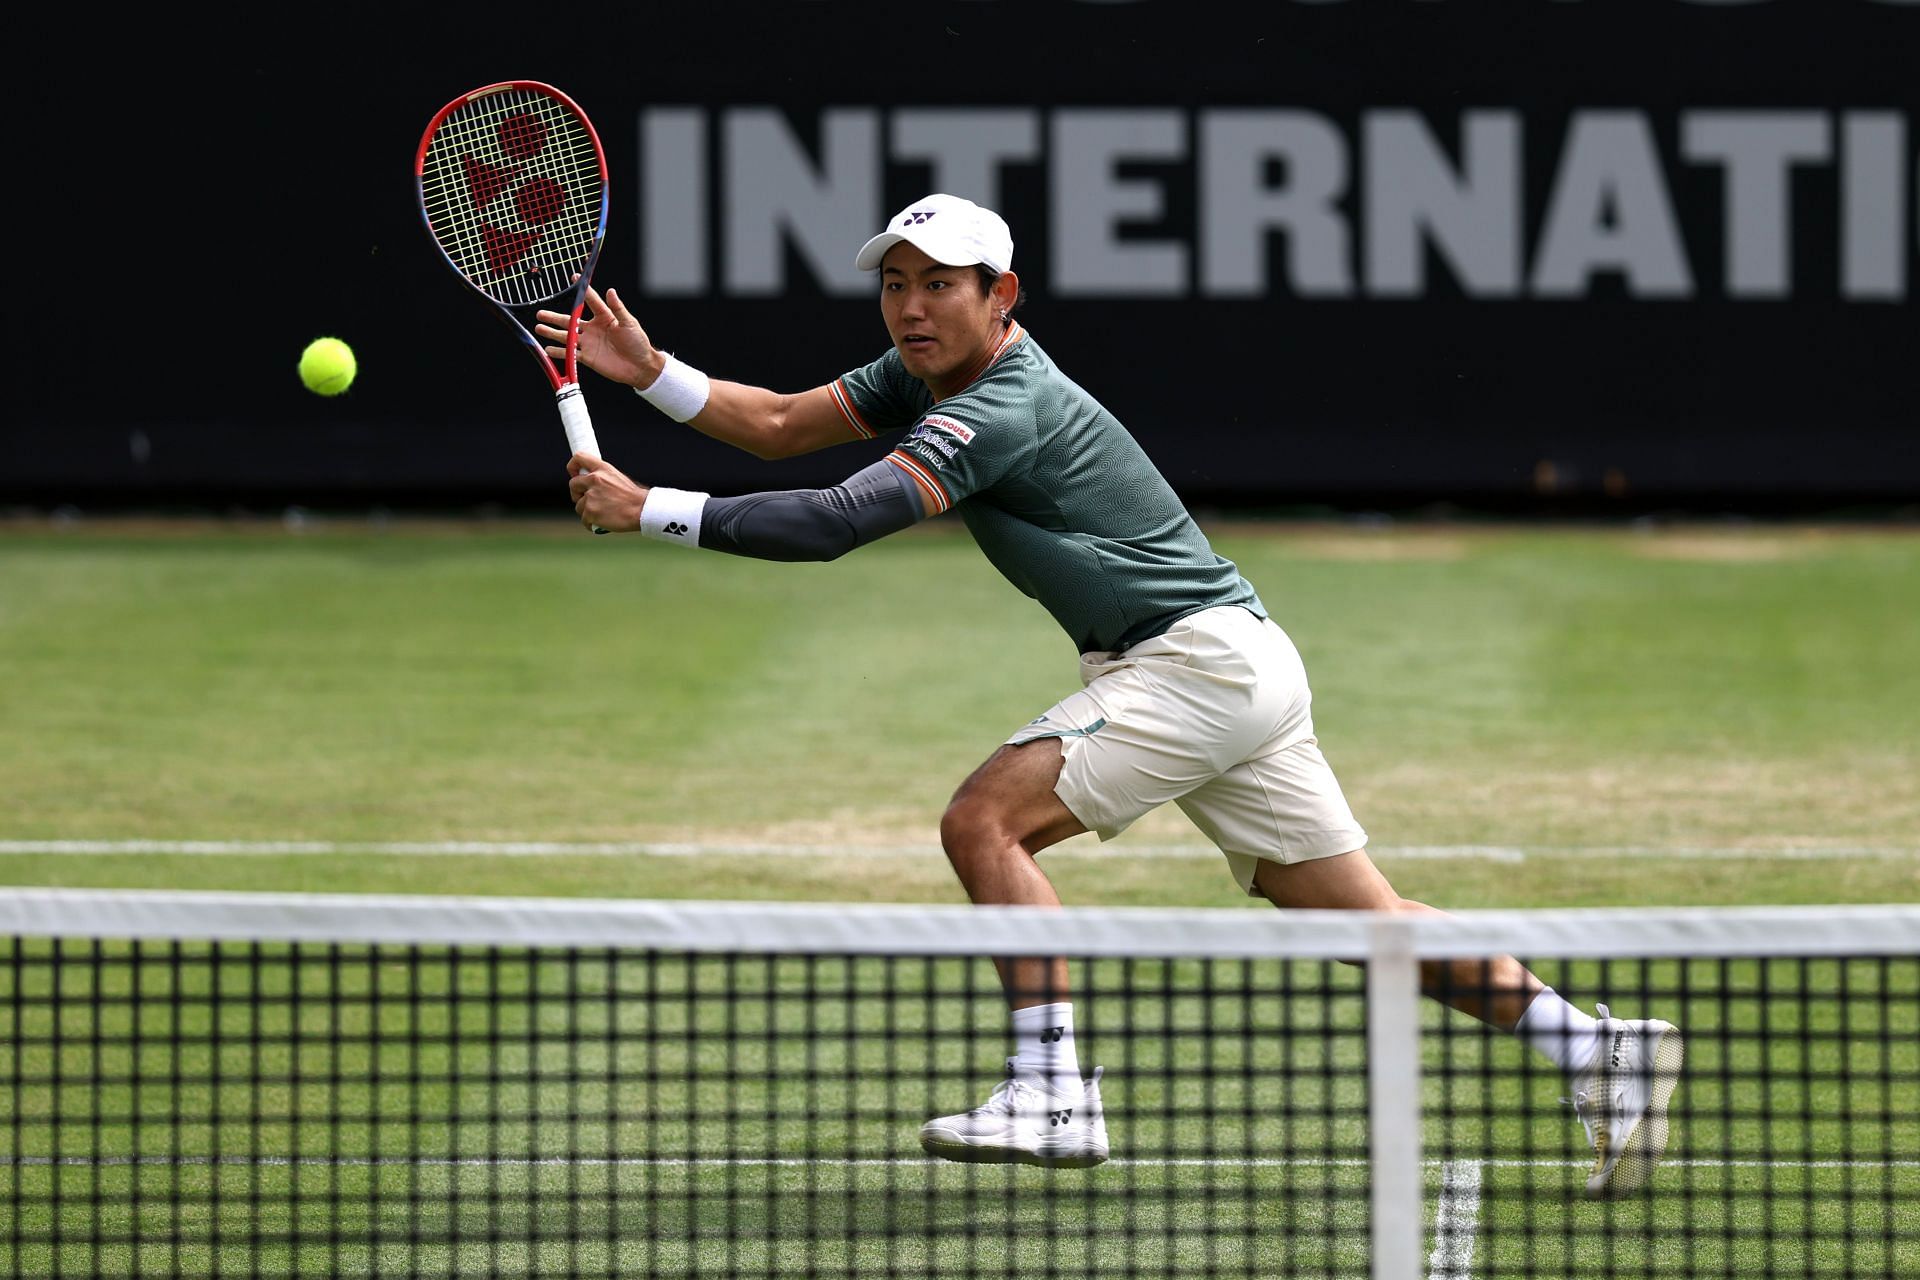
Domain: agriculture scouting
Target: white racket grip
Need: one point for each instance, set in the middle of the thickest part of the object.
(578, 422)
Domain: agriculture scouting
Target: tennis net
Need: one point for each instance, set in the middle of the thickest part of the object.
(282, 1085)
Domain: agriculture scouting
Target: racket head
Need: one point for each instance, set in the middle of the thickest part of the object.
(512, 186)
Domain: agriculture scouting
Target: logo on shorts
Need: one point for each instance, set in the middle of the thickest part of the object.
(959, 431)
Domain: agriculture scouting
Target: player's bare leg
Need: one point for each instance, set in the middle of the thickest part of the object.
(1042, 1113)
(1495, 991)
(1621, 1072)
(999, 818)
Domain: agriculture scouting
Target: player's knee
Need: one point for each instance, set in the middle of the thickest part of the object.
(968, 823)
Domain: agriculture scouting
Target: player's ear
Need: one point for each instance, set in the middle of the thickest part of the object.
(1006, 290)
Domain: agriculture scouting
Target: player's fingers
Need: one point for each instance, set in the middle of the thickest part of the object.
(618, 307)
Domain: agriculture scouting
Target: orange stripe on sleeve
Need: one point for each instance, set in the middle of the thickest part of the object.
(844, 398)
(929, 483)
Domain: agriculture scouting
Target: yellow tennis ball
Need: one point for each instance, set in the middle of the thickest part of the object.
(327, 366)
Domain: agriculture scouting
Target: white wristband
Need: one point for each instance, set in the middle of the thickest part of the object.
(673, 515)
(680, 391)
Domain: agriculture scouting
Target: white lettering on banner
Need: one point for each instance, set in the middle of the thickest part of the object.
(1473, 218)
(967, 148)
(1610, 212)
(673, 201)
(1262, 202)
(1237, 209)
(1090, 202)
(1874, 162)
(775, 194)
(1758, 149)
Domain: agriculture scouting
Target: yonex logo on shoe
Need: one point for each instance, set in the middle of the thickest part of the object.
(1051, 1035)
(1060, 1117)
(1619, 1039)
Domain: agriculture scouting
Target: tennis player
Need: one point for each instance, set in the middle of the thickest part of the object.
(1190, 692)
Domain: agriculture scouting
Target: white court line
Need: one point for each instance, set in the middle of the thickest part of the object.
(789, 1162)
(701, 849)
(1456, 1221)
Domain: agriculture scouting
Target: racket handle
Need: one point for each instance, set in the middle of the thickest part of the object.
(579, 424)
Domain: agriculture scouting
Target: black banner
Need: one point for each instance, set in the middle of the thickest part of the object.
(1548, 252)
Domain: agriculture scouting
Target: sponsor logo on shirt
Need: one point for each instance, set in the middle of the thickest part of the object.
(921, 438)
(959, 431)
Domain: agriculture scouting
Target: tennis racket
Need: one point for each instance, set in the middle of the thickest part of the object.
(513, 189)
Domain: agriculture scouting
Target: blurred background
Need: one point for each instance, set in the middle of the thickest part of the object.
(1545, 257)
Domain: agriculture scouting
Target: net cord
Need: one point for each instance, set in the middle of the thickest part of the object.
(908, 929)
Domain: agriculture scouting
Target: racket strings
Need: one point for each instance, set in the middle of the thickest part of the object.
(512, 186)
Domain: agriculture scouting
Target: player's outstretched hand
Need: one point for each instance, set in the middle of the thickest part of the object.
(603, 496)
(612, 343)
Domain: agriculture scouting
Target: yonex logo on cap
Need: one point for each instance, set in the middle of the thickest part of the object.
(968, 234)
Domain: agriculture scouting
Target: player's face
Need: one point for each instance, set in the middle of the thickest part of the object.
(941, 319)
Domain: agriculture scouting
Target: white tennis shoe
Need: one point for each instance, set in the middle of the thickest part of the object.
(1621, 1097)
(1023, 1122)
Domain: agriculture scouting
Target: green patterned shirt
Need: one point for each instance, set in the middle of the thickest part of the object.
(1059, 496)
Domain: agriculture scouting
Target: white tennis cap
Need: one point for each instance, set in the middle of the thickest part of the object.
(947, 229)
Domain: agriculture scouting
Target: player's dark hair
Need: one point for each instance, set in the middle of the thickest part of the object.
(988, 275)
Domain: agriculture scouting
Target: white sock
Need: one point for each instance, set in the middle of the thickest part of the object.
(1043, 1048)
(1567, 1036)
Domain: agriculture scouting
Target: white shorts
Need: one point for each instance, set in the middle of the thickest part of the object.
(1215, 715)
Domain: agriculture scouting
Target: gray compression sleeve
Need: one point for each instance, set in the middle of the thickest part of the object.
(812, 524)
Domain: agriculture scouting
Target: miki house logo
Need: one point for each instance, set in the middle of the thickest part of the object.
(959, 431)
(917, 217)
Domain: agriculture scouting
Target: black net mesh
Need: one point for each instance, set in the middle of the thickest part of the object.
(331, 1109)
